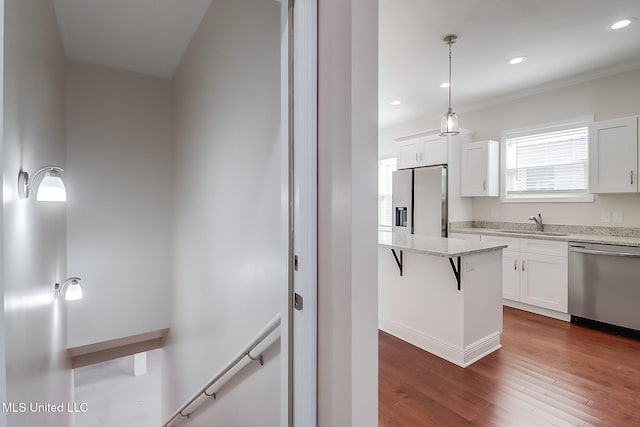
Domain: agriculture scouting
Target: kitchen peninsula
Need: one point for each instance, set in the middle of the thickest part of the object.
(442, 295)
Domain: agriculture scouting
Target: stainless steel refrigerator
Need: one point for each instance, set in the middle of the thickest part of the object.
(419, 200)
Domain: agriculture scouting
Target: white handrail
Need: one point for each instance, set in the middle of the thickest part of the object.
(246, 352)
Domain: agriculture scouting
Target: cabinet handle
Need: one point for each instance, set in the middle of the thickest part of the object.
(484, 184)
(515, 264)
(632, 177)
(421, 158)
(416, 157)
(522, 265)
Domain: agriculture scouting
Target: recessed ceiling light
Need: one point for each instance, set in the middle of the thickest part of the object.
(623, 23)
(396, 102)
(517, 60)
(445, 85)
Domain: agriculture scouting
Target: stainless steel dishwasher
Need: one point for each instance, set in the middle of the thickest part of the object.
(604, 283)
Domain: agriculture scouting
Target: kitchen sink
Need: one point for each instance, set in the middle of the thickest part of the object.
(538, 233)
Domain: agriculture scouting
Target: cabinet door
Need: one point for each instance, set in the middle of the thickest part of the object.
(544, 281)
(407, 154)
(511, 275)
(613, 156)
(474, 170)
(433, 151)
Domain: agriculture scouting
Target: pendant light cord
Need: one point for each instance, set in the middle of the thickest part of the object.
(449, 75)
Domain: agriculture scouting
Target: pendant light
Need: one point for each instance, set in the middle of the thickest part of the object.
(449, 123)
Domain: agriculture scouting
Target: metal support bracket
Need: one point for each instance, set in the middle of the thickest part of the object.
(398, 261)
(456, 271)
(259, 358)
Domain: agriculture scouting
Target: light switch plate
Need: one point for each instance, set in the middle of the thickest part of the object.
(605, 216)
(618, 217)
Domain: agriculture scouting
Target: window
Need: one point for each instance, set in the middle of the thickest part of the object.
(547, 162)
(385, 172)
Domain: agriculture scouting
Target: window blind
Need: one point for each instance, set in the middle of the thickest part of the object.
(549, 163)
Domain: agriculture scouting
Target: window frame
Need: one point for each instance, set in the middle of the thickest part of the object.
(563, 197)
(389, 160)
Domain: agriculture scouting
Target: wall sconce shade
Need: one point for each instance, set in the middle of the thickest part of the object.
(71, 289)
(51, 188)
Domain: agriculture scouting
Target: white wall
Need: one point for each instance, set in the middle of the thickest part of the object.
(33, 233)
(347, 214)
(604, 98)
(228, 268)
(3, 370)
(119, 212)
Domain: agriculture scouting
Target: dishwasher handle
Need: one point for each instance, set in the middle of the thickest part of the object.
(594, 252)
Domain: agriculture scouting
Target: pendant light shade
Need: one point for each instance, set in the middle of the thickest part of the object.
(449, 122)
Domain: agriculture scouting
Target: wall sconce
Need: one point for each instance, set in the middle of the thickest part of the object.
(51, 188)
(71, 289)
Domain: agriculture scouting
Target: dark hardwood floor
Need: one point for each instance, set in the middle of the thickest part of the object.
(547, 373)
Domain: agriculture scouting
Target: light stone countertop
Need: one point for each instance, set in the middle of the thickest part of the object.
(583, 238)
(436, 246)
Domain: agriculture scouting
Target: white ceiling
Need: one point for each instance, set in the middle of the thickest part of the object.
(148, 36)
(561, 38)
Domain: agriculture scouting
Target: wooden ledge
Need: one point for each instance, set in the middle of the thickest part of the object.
(108, 350)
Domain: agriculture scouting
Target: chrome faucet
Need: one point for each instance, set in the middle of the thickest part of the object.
(538, 220)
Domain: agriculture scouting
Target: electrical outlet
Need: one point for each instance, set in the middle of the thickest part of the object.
(605, 216)
(469, 266)
(618, 217)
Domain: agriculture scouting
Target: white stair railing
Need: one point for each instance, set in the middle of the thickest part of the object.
(189, 406)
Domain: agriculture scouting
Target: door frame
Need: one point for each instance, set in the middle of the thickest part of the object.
(299, 60)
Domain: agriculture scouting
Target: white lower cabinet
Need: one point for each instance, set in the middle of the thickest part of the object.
(534, 272)
(510, 275)
(544, 281)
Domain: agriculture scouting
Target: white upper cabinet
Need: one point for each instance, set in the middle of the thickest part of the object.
(613, 156)
(480, 166)
(544, 281)
(434, 150)
(419, 151)
(407, 155)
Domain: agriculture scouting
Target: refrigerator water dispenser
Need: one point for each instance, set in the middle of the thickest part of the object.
(401, 217)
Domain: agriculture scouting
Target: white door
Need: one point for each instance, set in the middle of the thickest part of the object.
(303, 295)
(544, 281)
(474, 169)
(433, 151)
(407, 154)
(613, 156)
(511, 275)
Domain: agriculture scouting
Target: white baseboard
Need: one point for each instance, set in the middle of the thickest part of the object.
(481, 348)
(537, 310)
(462, 357)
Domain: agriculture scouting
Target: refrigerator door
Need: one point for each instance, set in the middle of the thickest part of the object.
(430, 205)
(401, 201)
